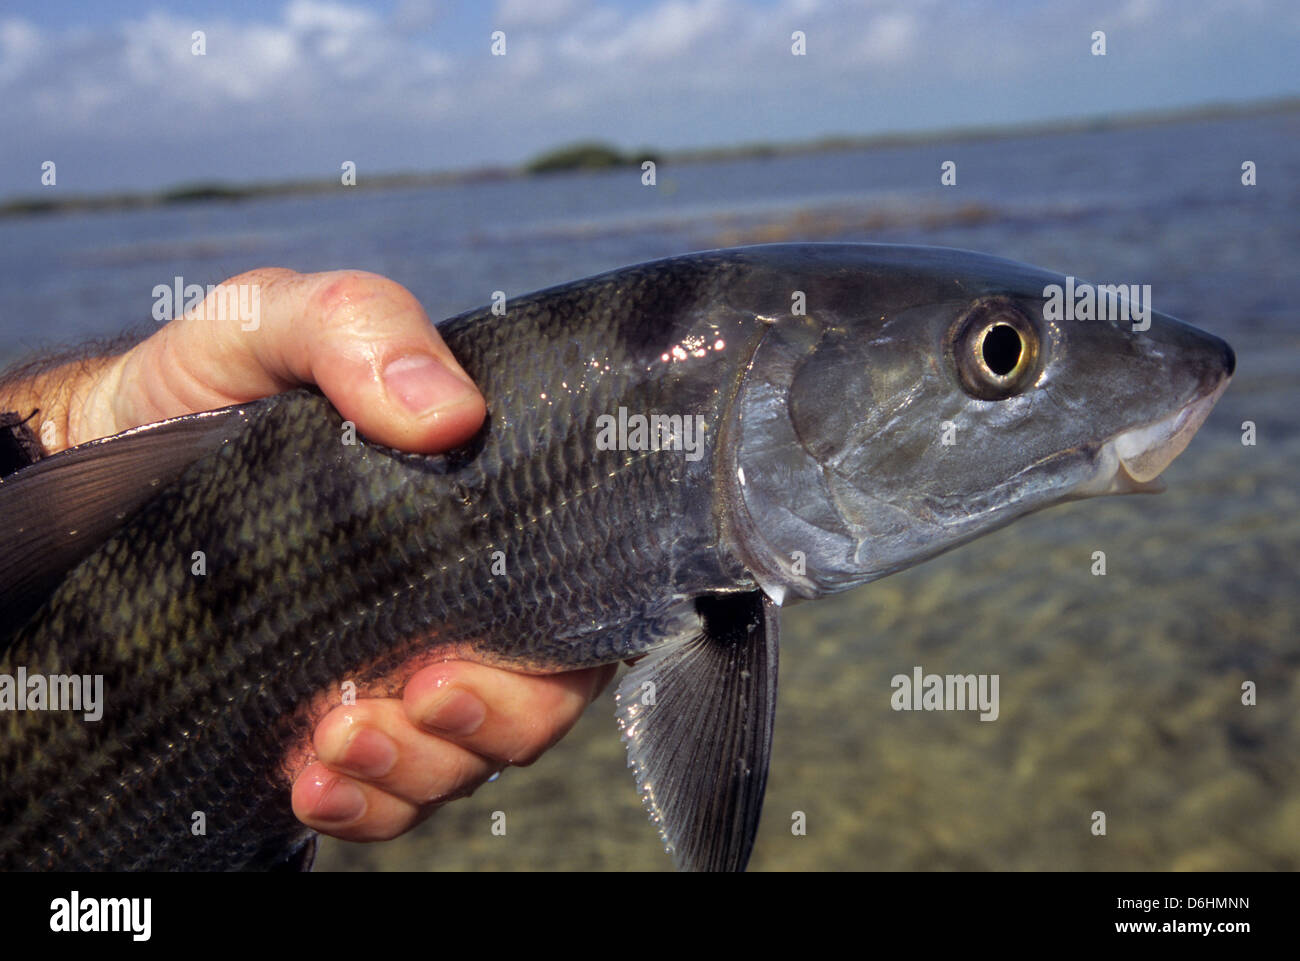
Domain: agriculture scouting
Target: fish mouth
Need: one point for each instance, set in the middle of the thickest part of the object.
(1131, 461)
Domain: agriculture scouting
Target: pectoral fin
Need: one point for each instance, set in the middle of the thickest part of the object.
(697, 722)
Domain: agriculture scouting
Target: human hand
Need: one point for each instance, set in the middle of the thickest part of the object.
(363, 339)
(383, 763)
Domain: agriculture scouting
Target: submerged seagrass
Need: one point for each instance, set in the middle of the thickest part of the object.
(920, 400)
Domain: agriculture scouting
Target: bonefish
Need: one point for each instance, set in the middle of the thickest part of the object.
(855, 409)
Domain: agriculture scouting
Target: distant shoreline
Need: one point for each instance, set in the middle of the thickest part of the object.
(547, 164)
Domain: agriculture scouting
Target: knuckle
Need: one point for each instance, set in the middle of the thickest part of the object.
(340, 301)
(336, 301)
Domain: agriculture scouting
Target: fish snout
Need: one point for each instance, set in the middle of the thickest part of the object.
(1187, 350)
(1229, 358)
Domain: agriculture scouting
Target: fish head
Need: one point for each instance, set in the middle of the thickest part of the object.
(928, 396)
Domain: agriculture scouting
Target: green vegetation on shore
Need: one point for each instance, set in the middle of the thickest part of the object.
(590, 155)
(586, 155)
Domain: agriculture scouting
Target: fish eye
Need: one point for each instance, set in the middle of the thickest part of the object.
(995, 348)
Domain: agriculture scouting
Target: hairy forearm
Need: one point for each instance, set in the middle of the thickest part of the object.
(54, 393)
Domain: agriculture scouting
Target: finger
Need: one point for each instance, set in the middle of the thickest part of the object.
(352, 810)
(362, 338)
(374, 742)
(509, 717)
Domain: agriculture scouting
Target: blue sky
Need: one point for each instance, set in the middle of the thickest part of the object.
(113, 94)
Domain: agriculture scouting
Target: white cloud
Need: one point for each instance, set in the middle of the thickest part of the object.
(891, 37)
(674, 27)
(324, 76)
(19, 39)
(304, 15)
(1139, 11)
(536, 13)
(20, 45)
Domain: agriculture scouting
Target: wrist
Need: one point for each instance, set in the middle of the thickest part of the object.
(64, 405)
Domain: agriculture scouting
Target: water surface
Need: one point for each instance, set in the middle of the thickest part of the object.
(1119, 694)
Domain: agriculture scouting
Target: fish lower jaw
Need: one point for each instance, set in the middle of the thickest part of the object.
(1131, 462)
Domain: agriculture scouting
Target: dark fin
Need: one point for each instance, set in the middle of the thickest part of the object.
(57, 511)
(700, 750)
(19, 445)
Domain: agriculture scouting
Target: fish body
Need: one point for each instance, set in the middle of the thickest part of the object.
(671, 453)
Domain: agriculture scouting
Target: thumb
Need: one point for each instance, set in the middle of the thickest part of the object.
(362, 338)
(384, 366)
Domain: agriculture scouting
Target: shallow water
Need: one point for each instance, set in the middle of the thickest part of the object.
(1119, 693)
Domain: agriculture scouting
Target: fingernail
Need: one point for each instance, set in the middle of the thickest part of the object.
(368, 754)
(423, 384)
(342, 801)
(458, 713)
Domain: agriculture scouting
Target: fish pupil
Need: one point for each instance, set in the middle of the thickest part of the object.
(1001, 349)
